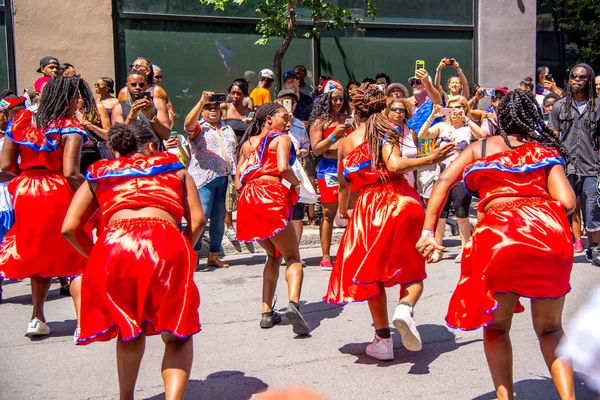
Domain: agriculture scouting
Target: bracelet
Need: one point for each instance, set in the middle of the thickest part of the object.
(332, 138)
(468, 120)
(427, 232)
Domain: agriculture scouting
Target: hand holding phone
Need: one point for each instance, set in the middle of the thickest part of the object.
(446, 111)
(349, 122)
(218, 98)
(287, 104)
(448, 61)
(549, 77)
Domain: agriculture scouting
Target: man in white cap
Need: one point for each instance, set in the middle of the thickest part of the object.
(261, 94)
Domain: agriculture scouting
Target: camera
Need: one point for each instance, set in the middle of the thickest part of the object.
(218, 97)
(449, 61)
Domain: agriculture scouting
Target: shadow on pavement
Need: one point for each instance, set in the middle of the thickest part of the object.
(25, 299)
(232, 385)
(58, 329)
(542, 388)
(249, 260)
(316, 312)
(437, 340)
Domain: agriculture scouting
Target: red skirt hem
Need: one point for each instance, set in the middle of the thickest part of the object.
(113, 331)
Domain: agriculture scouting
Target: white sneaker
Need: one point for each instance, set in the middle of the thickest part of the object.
(407, 327)
(37, 328)
(381, 349)
(76, 334)
(458, 258)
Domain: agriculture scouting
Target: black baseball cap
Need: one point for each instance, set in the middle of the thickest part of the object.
(47, 61)
(287, 93)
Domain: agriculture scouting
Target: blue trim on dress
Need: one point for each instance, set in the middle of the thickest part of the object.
(356, 168)
(136, 172)
(546, 162)
(51, 144)
(154, 332)
(261, 153)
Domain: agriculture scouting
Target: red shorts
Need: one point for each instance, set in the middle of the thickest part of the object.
(328, 190)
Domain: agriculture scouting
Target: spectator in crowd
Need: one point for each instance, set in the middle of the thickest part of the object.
(597, 84)
(457, 128)
(547, 105)
(369, 80)
(140, 108)
(457, 85)
(322, 80)
(489, 123)
(235, 113)
(261, 94)
(396, 91)
(574, 118)
(67, 70)
(545, 84)
(105, 88)
(349, 87)
(158, 74)
(425, 95)
(301, 143)
(399, 112)
(328, 125)
(304, 87)
(383, 79)
(526, 84)
(212, 163)
(304, 104)
(96, 146)
(49, 67)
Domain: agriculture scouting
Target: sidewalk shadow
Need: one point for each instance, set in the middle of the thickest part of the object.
(232, 385)
(542, 388)
(316, 312)
(252, 259)
(437, 340)
(58, 329)
(25, 299)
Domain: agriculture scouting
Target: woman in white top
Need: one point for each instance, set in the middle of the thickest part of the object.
(400, 111)
(459, 129)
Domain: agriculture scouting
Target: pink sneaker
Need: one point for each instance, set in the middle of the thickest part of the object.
(578, 246)
(326, 265)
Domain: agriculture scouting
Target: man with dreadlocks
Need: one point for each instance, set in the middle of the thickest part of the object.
(521, 247)
(574, 119)
(265, 204)
(377, 249)
(49, 146)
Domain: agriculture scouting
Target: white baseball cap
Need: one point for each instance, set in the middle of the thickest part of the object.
(266, 73)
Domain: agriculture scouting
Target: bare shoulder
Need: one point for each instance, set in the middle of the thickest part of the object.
(160, 93)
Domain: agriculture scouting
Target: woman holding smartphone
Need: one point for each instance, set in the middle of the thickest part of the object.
(457, 128)
(329, 123)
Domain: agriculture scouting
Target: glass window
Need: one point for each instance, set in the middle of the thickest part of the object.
(4, 81)
(197, 57)
(187, 7)
(393, 52)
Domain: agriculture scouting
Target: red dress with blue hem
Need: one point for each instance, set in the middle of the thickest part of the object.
(139, 277)
(264, 206)
(35, 246)
(522, 247)
(379, 243)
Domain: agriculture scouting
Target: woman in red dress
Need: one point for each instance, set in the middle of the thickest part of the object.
(522, 247)
(377, 248)
(265, 206)
(44, 150)
(139, 277)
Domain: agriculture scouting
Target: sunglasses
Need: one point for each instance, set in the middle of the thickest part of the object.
(158, 76)
(498, 97)
(139, 66)
(582, 77)
(140, 85)
(415, 82)
(289, 74)
(211, 107)
(398, 109)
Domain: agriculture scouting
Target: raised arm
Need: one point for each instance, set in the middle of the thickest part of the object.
(192, 117)
(432, 92)
(430, 132)
(437, 81)
(463, 79)
(397, 164)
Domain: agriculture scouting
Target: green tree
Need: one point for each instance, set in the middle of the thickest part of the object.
(580, 19)
(279, 21)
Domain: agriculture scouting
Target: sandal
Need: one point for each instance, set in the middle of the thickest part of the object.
(435, 257)
(215, 262)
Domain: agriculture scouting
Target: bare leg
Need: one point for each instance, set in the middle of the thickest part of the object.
(411, 293)
(76, 295)
(498, 348)
(176, 365)
(440, 231)
(39, 291)
(270, 275)
(299, 228)
(378, 308)
(129, 358)
(576, 225)
(326, 231)
(547, 322)
(288, 246)
(464, 228)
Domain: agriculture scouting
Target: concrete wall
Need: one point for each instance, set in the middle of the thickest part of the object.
(77, 32)
(507, 34)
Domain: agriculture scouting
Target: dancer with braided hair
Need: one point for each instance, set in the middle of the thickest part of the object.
(265, 204)
(521, 247)
(388, 210)
(44, 151)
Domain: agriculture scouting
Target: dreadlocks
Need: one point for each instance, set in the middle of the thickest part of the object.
(520, 113)
(260, 117)
(369, 102)
(590, 94)
(322, 109)
(58, 94)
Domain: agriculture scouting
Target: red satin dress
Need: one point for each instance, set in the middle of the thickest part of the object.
(264, 206)
(35, 246)
(379, 244)
(139, 276)
(522, 246)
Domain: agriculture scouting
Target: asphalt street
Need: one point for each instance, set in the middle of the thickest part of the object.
(235, 359)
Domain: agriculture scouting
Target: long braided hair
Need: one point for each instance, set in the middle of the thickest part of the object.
(58, 94)
(590, 94)
(260, 117)
(321, 110)
(520, 113)
(369, 102)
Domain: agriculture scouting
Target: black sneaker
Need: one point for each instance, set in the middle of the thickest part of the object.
(270, 319)
(293, 315)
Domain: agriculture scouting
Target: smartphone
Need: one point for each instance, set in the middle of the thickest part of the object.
(381, 86)
(173, 135)
(218, 97)
(147, 95)
(549, 77)
(287, 104)
(449, 61)
(446, 111)
(419, 64)
(349, 123)
(250, 115)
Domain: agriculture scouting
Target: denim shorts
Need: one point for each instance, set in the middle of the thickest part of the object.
(585, 187)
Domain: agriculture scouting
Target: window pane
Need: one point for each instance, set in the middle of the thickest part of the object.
(456, 12)
(3, 54)
(187, 7)
(198, 57)
(394, 53)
